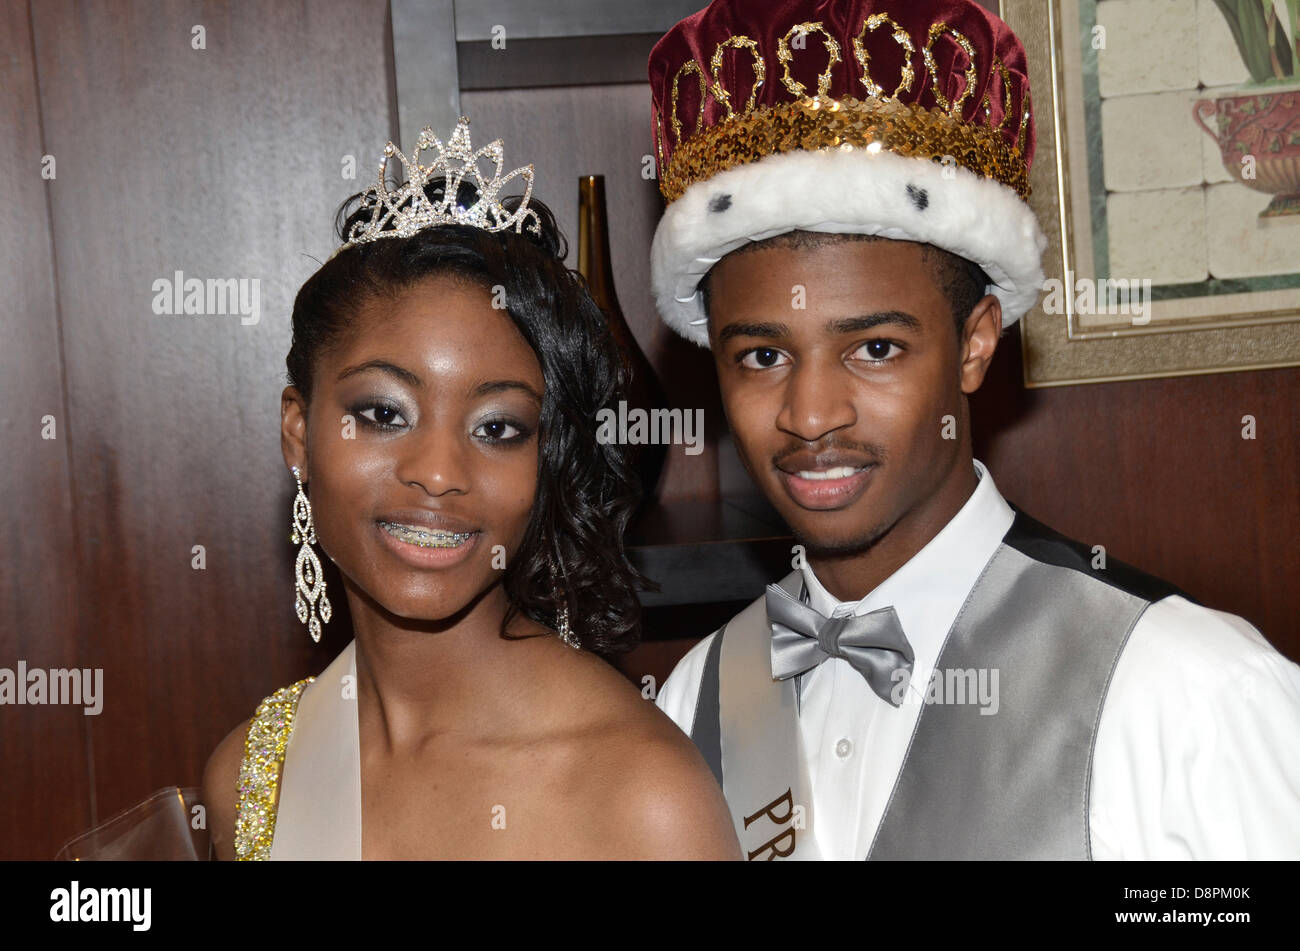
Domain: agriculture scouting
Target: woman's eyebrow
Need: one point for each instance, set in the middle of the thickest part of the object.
(383, 365)
(499, 386)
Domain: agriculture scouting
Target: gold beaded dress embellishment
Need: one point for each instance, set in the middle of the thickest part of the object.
(260, 772)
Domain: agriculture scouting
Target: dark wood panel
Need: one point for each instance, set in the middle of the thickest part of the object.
(1157, 471)
(39, 592)
(223, 162)
(555, 61)
(528, 19)
(568, 131)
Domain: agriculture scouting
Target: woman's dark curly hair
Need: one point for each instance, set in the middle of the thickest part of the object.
(586, 489)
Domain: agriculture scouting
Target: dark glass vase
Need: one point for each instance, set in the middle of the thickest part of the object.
(644, 389)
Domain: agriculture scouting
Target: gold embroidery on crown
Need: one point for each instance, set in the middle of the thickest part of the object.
(812, 124)
(907, 73)
(690, 66)
(259, 773)
(783, 54)
(878, 122)
(760, 73)
(937, 30)
(1000, 68)
(659, 144)
(1024, 122)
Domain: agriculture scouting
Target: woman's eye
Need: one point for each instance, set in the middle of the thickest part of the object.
(499, 430)
(879, 350)
(383, 416)
(761, 358)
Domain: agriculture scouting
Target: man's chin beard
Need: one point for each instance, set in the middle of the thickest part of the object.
(846, 548)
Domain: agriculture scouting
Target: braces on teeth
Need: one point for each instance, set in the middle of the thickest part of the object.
(426, 539)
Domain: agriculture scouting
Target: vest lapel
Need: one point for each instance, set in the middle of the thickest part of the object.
(1014, 783)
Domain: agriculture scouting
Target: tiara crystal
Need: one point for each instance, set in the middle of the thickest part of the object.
(407, 209)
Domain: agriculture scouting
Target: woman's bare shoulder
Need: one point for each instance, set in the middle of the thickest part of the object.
(221, 790)
(666, 803)
(660, 799)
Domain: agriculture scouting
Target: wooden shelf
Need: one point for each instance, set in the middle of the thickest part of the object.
(708, 551)
(443, 46)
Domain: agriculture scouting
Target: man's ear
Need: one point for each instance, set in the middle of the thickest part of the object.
(979, 341)
(293, 430)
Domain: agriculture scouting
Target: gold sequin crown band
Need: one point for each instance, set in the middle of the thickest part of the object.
(743, 79)
(407, 209)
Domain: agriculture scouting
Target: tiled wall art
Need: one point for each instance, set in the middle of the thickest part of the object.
(1168, 176)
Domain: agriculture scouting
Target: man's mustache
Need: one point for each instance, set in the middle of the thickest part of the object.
(829, 452)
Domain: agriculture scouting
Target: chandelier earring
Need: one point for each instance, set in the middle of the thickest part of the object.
(562, 626)
(309, 583)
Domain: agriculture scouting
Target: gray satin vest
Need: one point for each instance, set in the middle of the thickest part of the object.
(1013, 785)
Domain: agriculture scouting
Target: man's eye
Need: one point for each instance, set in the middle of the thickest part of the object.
(761, 358)
(879, 350)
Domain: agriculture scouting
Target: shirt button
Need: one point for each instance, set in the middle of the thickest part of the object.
(844, 748)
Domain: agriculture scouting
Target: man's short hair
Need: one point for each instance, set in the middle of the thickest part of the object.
(962, 281)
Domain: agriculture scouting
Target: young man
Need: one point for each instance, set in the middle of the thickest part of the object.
(940, 676)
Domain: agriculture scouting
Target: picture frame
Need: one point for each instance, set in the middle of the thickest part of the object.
(1224, 299)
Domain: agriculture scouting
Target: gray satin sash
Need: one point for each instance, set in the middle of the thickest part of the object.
(319, 815)
(769, 794)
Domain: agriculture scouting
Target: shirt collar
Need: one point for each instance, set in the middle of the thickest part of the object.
(929, 590)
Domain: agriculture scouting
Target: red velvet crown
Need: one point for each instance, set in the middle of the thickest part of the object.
(943, 80)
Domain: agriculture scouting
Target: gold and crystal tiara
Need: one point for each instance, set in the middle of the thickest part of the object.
(407, 209)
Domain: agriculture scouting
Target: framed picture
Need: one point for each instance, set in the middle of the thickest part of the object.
(1167, 179)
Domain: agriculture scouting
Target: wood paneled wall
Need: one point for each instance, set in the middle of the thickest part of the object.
(221, 162)
(1158, 473)
(227, 162)
(45, 775)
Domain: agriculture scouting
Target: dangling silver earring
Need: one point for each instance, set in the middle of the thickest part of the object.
(562, 616)
(562, 623)
(307, 570)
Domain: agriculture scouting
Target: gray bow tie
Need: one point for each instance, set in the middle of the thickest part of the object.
(873, 644)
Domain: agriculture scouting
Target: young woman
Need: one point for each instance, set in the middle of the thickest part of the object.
(445, 381)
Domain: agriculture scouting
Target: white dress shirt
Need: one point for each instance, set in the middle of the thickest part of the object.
(1197, 752)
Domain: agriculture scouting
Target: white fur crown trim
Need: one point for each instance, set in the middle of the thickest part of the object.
(850, 192)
